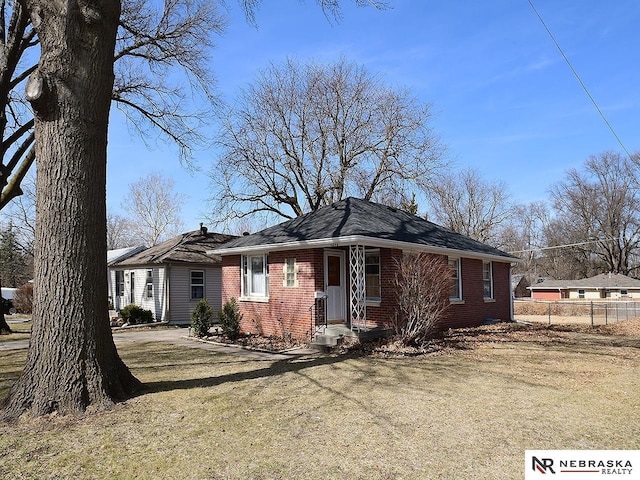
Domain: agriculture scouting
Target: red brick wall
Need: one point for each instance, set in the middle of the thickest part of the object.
(546, 295)
(287, 312)
(384, 314)
(474, 309)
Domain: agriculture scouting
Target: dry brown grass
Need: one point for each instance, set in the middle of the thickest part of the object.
(21, 329)
(468, 411)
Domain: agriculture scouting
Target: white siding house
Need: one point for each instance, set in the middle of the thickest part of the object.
(171, 277)
(115, 256)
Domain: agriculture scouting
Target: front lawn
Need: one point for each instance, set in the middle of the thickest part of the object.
(468, 411)
(20, 326)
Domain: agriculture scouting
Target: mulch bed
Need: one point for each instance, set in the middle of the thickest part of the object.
(450, 340)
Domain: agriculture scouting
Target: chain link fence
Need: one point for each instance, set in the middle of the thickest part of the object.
(573, 311)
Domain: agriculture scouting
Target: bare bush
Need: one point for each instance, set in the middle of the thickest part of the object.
(423, 283)
(23, 298)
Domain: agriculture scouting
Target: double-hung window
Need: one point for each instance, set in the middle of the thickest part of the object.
(487, 280)
(119, 283)
(197, 284)
(372, 275)
(456, 281)
(255, 276)
(149, 285)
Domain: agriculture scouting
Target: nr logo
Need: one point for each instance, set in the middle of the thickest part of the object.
(542, 465)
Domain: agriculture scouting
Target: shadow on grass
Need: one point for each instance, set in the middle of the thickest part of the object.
(278, 367)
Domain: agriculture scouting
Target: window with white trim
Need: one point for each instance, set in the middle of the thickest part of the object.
(290, 270)
(580, 293)
(255, 276)
(372, 275)
(119, 283)
(197, 284)
(487, 280)
(456, 280)
(149, 284)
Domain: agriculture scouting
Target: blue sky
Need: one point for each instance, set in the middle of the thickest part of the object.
(506, 102)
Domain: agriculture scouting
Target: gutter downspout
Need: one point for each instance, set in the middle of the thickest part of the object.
(167, 296)
(511, 295)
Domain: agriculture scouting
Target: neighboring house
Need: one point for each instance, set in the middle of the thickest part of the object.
(114, 256)
(519, 284)
(337, 265)
(171, 277)
(603, 286)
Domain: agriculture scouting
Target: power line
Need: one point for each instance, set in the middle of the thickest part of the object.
(575, 73)
(579, 244)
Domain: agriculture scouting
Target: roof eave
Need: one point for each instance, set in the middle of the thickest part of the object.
(336, 242)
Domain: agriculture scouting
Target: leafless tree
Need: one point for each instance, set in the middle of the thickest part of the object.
(72, 361)
(306, 135)
(465, 203)
(22, 213)
(119, 232)
(524, 237)
(423, 283)
(597, 207)
(154, 209)
(154, 46)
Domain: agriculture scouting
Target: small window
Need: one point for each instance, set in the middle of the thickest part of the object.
(149, 285)
(487, 279)
(624, 293)
(197, 284)
(290, 273)
(456, 283)
(580, 293)
(372, 275)
(255, 276)
(119, 283)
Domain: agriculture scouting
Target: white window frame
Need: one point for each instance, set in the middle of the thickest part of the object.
(193, 284)
(249, 280)
(581, 293)
(149, 284)
(119, 283)
(371, 253)
(487, 280)
(458, 277)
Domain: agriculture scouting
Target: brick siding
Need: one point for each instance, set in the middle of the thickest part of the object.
(288, 314)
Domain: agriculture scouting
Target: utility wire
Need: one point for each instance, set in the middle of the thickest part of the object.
(538, 249)
(584, 87)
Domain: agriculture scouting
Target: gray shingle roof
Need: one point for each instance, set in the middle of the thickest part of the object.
(353, 217)
(604, 280)
(190, 247)
(117, 255)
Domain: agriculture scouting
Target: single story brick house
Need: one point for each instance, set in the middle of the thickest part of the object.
(337, 265)
(171, 277)
(603, 286)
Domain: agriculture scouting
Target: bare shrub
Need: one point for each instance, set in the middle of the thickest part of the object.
(23, 298)
(423, 283)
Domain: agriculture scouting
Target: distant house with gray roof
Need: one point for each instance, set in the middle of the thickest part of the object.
(603, 286)
(171, 277)
(336, 265)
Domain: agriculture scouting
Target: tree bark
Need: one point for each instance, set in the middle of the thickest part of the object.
(72, 362)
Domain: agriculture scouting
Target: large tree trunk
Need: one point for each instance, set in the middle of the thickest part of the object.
(72, 360)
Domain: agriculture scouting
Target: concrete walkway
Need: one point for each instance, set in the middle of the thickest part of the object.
(178, 336)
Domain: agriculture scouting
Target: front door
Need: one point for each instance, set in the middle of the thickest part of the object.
(335, 286)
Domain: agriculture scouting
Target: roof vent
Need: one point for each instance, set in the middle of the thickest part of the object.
(203, 229)
(244, 234)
